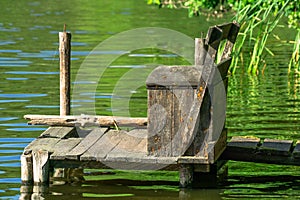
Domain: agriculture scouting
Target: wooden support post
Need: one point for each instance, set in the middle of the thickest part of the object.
(26, 192)
(26, 169)
(64, 56)
(40, 166)
(186, 172)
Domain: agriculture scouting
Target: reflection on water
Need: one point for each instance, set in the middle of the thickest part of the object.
(264, 106)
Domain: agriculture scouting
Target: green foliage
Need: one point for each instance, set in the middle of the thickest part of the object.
(295, 60)
(257, 18)
(261, 20)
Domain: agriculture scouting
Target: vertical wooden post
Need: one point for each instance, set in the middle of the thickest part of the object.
(26, 169)
(64, 57)
(186, 173)
(40, 166)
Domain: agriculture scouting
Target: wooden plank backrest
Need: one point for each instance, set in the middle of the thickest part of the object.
(180, 97)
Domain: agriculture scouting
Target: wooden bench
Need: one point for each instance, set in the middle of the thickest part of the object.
(184, 130)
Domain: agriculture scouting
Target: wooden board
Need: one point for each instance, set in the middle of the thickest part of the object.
(47, 144)
(277, 147)
(63, 147)
(59, 132)
(86, 120)
(86, 143)
(99, 150)
(244, 142)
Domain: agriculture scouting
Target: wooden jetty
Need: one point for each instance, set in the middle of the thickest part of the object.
(176, 135)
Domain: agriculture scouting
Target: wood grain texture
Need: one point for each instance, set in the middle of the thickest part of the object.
(65, 75)
(63, 147)
(59, 132)
(86, 120)
(86, 143)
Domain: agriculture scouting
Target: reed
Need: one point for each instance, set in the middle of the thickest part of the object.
(295, 60)
(257, 23)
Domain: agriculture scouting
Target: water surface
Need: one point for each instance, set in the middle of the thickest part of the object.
(265, 106)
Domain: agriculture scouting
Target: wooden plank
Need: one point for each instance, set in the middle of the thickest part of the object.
(277, 147)
(217, 147)
(59, 132)
(231, 38)
(86, 120)
(175, 76)
(99, 150)
(296, 152)
(160, 122)
(244, 142)
(127, 147)
(63, 147)
(46, 144)
(182, 101)
(223, 67)
(225, 29)
(86, 143)
(193, 160)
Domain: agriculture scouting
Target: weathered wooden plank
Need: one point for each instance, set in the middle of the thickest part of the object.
(223, 67)
(167, 102)
(86, 120)
(244, 142)
(182, 101)
(296, 152)
(127, 147)
(86, 143)
(225, 29)
(277, 147)
(175, 76)
(154, 163)
(99, 150)
(160, 110)
(40, 162)
(193, 160)
(59, 132)
(200, 51)
(214, 36)
(63, 147)
(216, 148)
(46, 144)
(231, 38)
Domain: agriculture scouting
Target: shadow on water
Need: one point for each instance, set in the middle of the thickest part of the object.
(121, 189)
(236, 187)
(264, 186)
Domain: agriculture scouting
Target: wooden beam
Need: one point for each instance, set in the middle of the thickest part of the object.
(86, 120)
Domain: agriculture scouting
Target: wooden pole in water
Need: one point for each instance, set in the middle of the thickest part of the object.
(64, 63)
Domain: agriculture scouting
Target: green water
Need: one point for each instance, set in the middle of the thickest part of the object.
(265, 106)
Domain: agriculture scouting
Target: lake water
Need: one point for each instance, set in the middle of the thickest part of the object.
(266, 106)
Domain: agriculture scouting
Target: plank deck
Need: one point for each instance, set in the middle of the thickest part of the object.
(63, 147)
(86, 143)
(99, 150)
